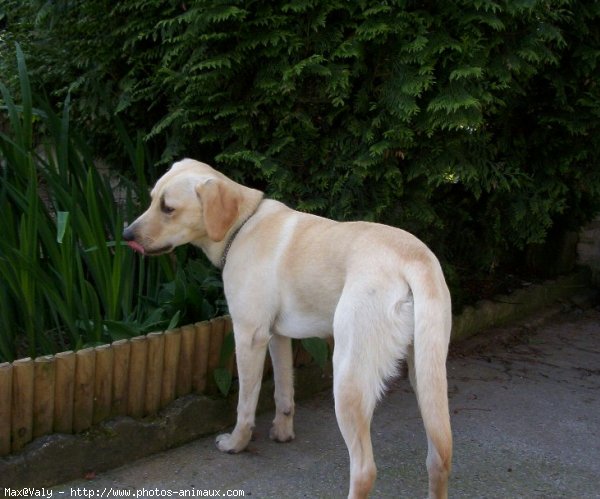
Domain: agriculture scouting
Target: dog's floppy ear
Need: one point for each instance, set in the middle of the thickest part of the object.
(220, 205)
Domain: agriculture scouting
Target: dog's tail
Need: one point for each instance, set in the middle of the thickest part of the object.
(433, 322)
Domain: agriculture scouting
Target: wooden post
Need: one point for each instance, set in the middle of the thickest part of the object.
(230, 363)
(121, 356)
(214, 351)
(156, 357)
(201, 347)
(83, 395)
(186, 361)
(103, 383)
(169, 380)
(137, 376)
(43, 399)
(6, 371)
(63, 392)
(22, 403)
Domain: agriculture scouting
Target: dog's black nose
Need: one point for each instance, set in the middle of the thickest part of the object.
(128, 234)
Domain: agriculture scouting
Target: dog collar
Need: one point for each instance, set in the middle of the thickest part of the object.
(233, 236)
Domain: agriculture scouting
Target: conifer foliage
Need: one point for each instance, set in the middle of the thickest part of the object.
(471, 123)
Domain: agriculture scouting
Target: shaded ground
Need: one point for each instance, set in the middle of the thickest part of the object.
(525, 405)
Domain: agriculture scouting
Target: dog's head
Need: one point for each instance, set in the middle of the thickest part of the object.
(191, 203)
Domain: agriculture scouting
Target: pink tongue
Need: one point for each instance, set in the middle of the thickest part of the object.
(136, 246)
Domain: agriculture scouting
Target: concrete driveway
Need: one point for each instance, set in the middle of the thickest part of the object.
(525, 405)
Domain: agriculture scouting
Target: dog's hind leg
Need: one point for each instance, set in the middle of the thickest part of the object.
(357, 384)
(251, 348)
(280, 348)
(372, 328)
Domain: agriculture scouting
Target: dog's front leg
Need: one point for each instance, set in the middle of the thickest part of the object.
(251, 348)
(280, 348)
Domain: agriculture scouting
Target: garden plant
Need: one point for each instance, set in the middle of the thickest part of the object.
(68, 281)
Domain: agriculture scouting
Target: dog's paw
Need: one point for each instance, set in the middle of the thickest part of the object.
(281, 434)
(225, 444)
(228, 443)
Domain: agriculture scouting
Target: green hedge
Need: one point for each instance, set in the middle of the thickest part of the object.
(470, 123)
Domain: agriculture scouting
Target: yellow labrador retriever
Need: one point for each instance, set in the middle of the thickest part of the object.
(378, 289)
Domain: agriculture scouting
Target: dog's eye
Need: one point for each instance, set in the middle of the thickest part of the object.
(167, 210)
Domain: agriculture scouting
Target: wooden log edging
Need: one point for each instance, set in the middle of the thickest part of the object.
(21, 419)
(71, 391)
(6, 383)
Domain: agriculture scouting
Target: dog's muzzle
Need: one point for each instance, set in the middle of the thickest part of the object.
(129, 238)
